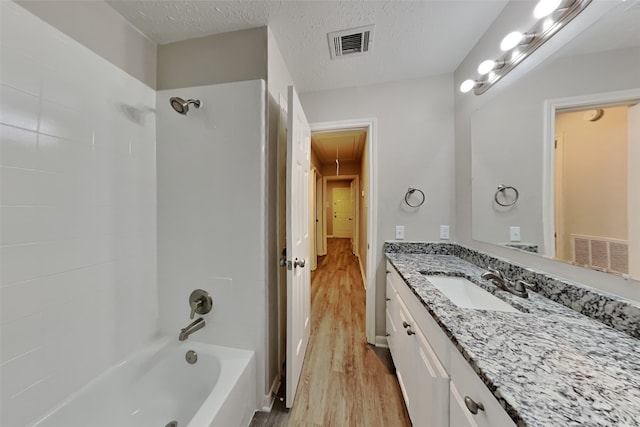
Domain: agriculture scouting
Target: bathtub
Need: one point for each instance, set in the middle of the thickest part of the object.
(157, 386)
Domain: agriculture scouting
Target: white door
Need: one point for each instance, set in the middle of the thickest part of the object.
(298, 241)
(342, 212)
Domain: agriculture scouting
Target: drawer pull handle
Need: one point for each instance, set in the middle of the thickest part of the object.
(472, 405)
(405, 324)
(410, 332)
(388, 299)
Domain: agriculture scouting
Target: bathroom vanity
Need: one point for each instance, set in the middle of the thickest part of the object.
(535, 362)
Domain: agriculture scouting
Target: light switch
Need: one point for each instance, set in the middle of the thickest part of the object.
(444, 232)
(515, 234)
(399, 232)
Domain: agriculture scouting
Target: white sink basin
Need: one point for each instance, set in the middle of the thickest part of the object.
(466, 294)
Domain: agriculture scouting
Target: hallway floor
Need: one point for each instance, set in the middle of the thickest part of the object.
(344, 380)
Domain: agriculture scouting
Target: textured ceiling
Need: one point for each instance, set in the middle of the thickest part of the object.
(412, 38)
(346, 146)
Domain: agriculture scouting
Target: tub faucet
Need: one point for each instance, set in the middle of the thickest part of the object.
(496, 277)
(196, 325)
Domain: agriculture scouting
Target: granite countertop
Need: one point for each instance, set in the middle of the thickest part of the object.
(548, 365)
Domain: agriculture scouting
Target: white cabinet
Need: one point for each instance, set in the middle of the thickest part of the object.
(434, 377)
(423, 380)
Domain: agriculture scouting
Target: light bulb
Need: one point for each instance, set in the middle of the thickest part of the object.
(547, 24)
(511, 40)
(515, 54)
(486, 66)
(545, 7)
(467, 85)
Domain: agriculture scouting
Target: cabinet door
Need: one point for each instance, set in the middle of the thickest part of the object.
(459, 415)
(425, 379)
(392, 332)
(432, 385)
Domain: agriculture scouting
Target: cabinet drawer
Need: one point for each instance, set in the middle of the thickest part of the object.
(467, 383)
(459, 415)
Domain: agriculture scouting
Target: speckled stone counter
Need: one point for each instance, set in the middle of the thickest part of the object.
(548, 365)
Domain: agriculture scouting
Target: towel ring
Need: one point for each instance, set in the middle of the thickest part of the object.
(503, 189)
(409, 192)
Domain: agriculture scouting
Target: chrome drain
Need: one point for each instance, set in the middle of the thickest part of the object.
(172, 424)
(192, 357)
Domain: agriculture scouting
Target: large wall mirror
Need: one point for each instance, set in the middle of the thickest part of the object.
(556, 155)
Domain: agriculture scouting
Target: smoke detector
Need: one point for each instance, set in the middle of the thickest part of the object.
(353, 42)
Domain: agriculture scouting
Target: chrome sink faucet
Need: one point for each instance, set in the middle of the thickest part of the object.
(496, 277)
(194, 326)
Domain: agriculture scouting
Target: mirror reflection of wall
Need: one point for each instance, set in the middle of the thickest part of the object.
(598, 196)
(591, 210)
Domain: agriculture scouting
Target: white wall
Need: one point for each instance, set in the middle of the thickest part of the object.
(211, 214)
(78, 283)
(568, 76)
(218, 58)
(415, 149)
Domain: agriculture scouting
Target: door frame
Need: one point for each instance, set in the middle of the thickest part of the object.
(370, 124)
(355, 208)
(551, 107)
(313, 218)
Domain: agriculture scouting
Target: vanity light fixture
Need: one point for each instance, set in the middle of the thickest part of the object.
(545, 8)
(489, 65)
(552, 15)
(511, 40)
(467, 85)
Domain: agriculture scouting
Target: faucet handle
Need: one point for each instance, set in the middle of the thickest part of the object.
(194, 307)
(496, 272)
(200, 302)
(521, 286)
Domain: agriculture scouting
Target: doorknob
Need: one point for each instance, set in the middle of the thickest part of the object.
(298, 263)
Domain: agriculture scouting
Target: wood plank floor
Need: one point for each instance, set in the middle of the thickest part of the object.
(344, 380)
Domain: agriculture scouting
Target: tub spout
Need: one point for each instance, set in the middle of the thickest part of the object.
(196, 325)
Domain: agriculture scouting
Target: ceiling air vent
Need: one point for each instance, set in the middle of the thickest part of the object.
(353, 42)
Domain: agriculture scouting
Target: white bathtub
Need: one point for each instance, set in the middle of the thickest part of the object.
(157, 386)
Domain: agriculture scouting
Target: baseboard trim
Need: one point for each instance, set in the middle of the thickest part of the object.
(269, 399)
(364, 277)
(381, 341)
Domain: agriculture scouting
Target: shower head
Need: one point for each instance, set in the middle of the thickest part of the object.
(182, 106)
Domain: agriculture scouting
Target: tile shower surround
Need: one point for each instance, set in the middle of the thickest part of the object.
(78, 287)
(609, 309)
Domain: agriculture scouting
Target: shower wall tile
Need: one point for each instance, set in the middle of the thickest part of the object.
(19, 109)
(78, 283)
(19, 147)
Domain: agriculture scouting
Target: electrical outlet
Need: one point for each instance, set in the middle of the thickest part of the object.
(399, 232)
(514, 234)
(444, 232)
